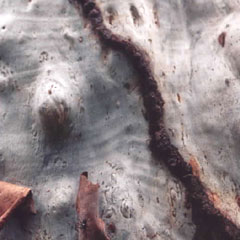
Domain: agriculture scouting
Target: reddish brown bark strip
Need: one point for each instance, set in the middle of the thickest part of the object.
(208, 219)
(91, 227)
(13, 198)
(221, 39)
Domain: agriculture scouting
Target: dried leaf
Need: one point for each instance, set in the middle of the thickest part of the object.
(91, 226)
(13, 197)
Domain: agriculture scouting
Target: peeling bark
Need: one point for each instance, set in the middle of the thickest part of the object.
(14, 198)
(211, 223)
(91, 227)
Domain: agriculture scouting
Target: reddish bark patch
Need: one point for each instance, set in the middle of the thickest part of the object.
(179, 98)
(238, 200)
(208, 219)
(213, 196)
(14, 198)
(195, 166)
(112, 228)
(90, 225)
(221, 39)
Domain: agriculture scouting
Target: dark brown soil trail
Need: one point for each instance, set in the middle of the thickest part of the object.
(210, 222)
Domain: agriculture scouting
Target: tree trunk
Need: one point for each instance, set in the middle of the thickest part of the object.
(142, 95)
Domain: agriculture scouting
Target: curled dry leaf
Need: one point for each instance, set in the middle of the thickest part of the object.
(13, 198)
(91, 226)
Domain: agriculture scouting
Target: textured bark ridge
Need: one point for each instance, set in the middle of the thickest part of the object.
(91, 227)
(211, 223)
(14, 198)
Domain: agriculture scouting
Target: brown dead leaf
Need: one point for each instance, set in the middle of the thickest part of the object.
(13, 197)
(91, 226)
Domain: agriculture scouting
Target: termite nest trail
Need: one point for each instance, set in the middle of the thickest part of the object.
(205, 215)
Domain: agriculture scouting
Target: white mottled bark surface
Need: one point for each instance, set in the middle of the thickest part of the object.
(200, 83)
(50, 59)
